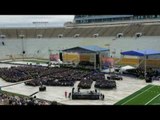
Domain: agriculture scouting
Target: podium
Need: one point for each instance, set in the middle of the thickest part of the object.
(87, 96)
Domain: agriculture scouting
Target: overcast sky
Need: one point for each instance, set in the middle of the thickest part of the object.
(58, 20)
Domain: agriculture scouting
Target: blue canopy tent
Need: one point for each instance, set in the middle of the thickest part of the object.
(141, 53)
(87, 49)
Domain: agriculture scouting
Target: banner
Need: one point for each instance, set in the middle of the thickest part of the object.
(72, 57)
(85, 57)
(54, 57)
(107, 62)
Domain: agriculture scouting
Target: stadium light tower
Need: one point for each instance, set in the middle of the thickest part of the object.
(23, 51)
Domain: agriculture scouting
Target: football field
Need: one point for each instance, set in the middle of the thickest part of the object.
(149, 95)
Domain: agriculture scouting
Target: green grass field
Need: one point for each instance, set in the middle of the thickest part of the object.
(149, 95)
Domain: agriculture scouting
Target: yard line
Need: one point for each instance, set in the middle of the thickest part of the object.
(152, 99)
(137, 95)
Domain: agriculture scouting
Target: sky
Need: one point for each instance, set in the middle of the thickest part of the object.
(57, 20)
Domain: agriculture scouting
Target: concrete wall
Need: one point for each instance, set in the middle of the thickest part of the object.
(40, 48)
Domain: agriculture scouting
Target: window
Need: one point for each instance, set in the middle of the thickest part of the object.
(119, 35)
(95, 35)
(138, 35)
(76, 35)
(21, 36)
(60, 35)
(39, 36)
(2, 36)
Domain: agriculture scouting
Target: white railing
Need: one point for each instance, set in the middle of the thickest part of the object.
(119, 23)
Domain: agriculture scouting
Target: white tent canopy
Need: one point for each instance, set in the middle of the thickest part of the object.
(108, 70)
(128, 67)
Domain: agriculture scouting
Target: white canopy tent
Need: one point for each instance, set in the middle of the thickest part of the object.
(142, 53)
(128, 67)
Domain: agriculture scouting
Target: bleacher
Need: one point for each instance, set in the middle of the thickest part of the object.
(49, 40)
(128, 30)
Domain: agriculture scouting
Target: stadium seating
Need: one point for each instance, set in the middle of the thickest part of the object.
(128, 30)
(50, 40)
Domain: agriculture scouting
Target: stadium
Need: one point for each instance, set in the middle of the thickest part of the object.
(76, 55)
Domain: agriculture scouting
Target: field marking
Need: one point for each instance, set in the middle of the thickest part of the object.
(138, 95)
(152, 99)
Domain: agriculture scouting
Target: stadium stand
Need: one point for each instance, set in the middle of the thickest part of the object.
(127, 30)
(107, 33)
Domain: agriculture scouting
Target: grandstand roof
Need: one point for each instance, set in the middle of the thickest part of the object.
(100, 16)
(86, 49)
(141, 52)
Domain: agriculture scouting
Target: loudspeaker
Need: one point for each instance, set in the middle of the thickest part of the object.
(2, 43)
(97, 59)
(24, 52)
(147, 57)
(60, 56)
